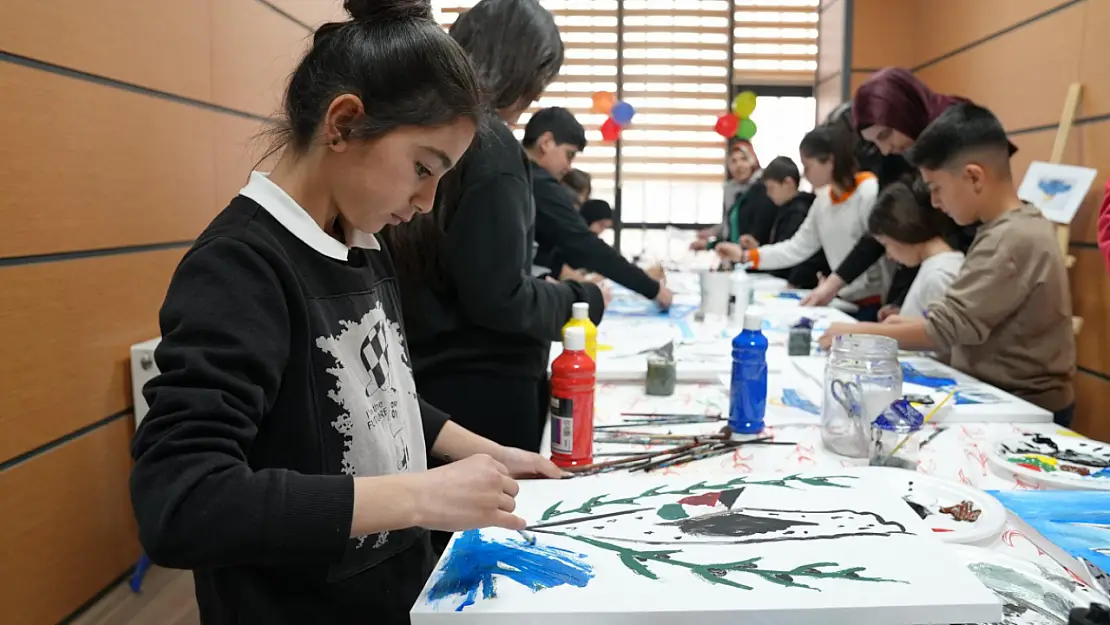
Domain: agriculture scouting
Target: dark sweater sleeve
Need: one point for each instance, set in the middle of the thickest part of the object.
(433, 419)
(559, 226)
(225, 329)
(487, 243)
(761, 214)
(867, 252)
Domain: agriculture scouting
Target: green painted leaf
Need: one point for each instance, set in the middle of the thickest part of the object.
(552, 511)
(637, 567)
(672, 512)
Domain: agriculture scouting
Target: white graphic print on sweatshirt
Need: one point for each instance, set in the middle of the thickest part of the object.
(380, 419)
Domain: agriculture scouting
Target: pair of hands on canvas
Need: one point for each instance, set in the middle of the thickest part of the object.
(480, 491)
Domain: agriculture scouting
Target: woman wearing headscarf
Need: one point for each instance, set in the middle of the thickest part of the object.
(748, 210)
(890, 109)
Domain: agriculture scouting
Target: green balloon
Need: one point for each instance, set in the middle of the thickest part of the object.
(746, 130)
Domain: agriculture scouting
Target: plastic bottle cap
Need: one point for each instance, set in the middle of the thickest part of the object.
(580, 310)
(753, 322)
(574, 339)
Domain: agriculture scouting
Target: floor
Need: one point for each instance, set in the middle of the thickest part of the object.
(166, 599)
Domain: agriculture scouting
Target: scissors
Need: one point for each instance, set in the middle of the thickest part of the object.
(850, 396)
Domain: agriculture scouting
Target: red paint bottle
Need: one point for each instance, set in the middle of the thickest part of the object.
(573, 383)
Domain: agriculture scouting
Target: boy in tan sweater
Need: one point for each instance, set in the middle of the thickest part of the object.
(1006, 319)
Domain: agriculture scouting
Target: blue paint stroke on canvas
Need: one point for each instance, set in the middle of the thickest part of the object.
(794, 295)
(793, 399)
(1076, 521)
(1053, 186)
(473, 561)
(911, 375)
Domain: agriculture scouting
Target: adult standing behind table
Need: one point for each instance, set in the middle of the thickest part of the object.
(890, 109)
(552, 138)
(748, 210)
(480, 327)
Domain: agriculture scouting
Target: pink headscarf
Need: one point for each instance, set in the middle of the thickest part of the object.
(895, 98)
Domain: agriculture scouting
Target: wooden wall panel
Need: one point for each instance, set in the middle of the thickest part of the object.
(136, 42)
(1094, 69)
(1090, 294)
(239, 143)
(1093, 142)
(314, 12)
(857, 79)
(67, 329)
(943, 26)
(67, 525)
(1092, 397)
(1037, 146)
(88, 166)
(254, 50)
(1048, 49)
(884, 33)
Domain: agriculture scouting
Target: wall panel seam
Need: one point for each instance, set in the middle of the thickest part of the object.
(1105, 377)
(1009, 29)
(62, 440)
(103, 592)
(104, 81)
(282, 12)
(37, 259)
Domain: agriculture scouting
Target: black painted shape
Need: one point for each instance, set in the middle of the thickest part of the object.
(729, 497)
(736, 524)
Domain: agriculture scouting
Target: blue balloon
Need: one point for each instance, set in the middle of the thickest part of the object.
(622, 113)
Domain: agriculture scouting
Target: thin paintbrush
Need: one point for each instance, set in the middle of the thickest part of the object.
(632, 458)
(593, 517)
(666, 457)
(667, 415)
(927, 418)
(709, 446)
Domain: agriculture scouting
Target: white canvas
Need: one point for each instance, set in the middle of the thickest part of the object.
(752, 549)
(1058, 190)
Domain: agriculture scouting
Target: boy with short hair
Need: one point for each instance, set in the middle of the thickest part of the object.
(1006, 318)
(552, 138)
(781, 179)
(913, 232)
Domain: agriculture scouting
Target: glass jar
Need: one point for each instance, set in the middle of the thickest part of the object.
(862, 378)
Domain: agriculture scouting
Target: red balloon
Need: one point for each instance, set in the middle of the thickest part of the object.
(727, 125)
(610, 130)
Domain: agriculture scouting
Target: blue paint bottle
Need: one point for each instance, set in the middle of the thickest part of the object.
(747, 404)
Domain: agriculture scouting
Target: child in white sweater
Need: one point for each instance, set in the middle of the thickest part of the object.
(912, 231)
(836, 221)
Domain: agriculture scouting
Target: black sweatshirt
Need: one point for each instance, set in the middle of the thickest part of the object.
(284, 375)
(564, 237)
(493, 316)
(788, 218)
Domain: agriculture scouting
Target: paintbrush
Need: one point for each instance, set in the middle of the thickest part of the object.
(927, 418)
(715, 450)
(646, 464)
(599, 466)
(667, 415)
(528, 537)
(937, 432)
(541, 526)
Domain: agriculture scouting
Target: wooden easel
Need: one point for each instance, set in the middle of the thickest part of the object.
(1063, 131)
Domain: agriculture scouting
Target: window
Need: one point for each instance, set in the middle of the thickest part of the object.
(675, 57)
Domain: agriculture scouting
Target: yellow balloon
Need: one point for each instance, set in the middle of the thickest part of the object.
(744, 104)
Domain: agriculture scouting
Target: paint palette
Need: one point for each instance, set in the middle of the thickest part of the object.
(956, 513)
(773, 548)
(1030, 594)
(1054, 461)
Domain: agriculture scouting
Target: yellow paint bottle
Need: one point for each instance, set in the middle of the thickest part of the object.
(580, 318)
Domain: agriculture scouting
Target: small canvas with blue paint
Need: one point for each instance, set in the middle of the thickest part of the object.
(728, 548)
(1076, 522)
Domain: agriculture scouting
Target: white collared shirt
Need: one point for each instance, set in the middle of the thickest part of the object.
(297, 221)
